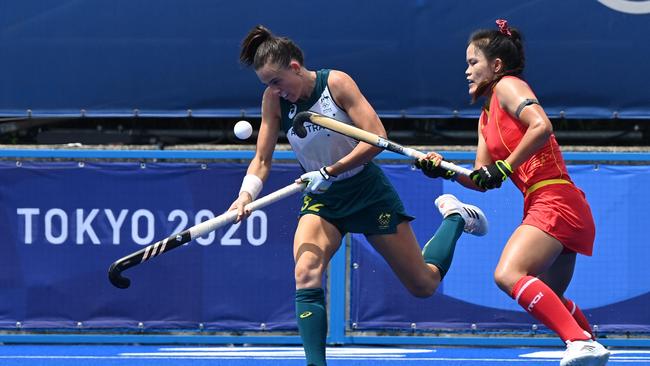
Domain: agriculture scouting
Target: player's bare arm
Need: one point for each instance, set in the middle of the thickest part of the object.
(347, 95)
(512, 92)
(267, 138)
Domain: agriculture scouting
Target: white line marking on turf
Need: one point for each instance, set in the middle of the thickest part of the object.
(253, 352)
(338, 353)
(248, 354)
(333, 351)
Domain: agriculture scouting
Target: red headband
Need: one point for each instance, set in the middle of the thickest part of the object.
(503, 27)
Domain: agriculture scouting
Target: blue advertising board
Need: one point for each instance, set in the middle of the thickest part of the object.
(165, 57)
(65, 222)
(610, 287)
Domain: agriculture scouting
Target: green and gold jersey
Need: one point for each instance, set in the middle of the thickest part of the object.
(321, 147)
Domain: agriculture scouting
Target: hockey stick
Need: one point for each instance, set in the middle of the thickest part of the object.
(176, 240)
(365, 136)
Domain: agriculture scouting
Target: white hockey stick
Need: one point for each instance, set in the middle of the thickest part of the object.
(176, 240)
(365, 136)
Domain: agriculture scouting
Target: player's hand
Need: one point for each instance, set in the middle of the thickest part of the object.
(240, 204)
(317, 181)
(430, 166)
(491, 176)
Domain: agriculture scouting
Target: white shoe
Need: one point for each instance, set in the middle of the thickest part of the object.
(475, 221)
(584, 353)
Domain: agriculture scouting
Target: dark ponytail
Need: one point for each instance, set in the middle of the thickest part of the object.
(505, 43)
(261, 47)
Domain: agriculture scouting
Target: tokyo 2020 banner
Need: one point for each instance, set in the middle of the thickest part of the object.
(65, 223)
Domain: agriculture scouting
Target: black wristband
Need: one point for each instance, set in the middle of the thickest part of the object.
(326, 174)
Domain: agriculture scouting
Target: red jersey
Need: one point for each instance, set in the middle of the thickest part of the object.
(502, 134)
(554, 204)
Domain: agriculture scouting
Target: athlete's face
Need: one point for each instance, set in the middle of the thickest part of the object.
(479, 69)
(283, 81)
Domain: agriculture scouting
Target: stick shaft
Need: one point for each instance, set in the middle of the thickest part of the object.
(230, 216)
(376, 140)
(176, 240)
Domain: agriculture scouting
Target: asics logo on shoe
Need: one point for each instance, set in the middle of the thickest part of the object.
(306, 314)
(536, 299)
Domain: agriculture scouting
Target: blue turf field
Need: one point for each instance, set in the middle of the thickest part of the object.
(101, 355)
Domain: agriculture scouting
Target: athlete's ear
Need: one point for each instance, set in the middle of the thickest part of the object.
(295, 66)
(497, 66)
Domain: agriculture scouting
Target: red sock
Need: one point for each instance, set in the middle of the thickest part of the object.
(543, 304)
(579, 316)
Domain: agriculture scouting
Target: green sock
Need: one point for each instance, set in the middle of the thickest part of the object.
(439, 250)
(312, 323)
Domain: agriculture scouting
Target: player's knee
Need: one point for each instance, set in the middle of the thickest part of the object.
(506, 280)
(307, 274)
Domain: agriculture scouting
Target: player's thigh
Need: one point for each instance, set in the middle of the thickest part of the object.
(403, 254)
(315, 241)
(529, 251)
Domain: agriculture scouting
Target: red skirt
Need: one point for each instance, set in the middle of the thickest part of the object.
(562, 211)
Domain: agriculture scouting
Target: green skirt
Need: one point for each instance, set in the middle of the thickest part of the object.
(366, 203)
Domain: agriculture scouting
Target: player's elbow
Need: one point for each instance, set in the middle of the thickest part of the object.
(542, 128)
(423, 291)
(547, 131)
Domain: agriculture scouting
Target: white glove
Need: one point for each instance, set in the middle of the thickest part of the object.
(318, 181)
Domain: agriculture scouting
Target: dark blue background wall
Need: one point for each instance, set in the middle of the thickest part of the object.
(164, 57)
